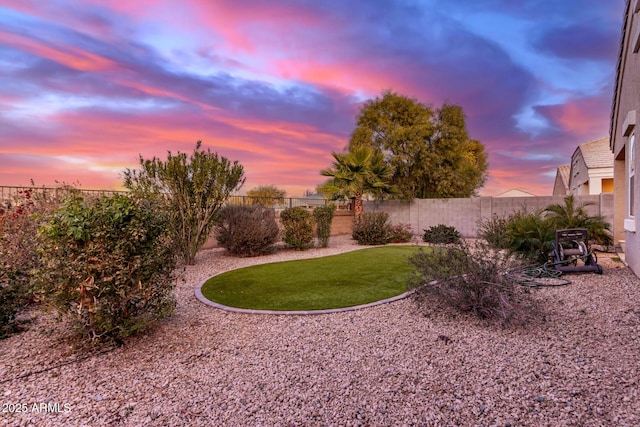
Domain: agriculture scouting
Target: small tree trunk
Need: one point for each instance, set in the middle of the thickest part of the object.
(358, 208)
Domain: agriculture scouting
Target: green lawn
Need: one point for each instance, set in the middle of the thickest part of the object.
(336, 281)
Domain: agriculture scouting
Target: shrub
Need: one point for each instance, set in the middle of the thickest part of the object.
(471, 279)
(298, 228)
(324, 216)
(571, 215)
(400, 233)
(441, 234)
(494, 231)
(19, 242)
(108, 263)
(11, 301)
(194, 190)
(266, 195)
(371, 228)
(247, 230)
(530, 236)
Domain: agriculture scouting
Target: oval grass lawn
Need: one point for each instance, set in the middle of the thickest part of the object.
(337, 281)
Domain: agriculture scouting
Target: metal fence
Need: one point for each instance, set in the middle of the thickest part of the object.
(9, 195)
(278, 202)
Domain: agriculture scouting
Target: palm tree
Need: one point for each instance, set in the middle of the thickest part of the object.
(572, 215)
(356, 173)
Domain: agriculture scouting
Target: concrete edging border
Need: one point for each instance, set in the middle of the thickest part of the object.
(200, 297)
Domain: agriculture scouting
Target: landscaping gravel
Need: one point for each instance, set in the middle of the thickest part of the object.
(389, 365)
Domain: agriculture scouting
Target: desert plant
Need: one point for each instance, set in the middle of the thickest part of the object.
(323, 216)
(494, 231)
(441, 234)
(266, 195)
(194, 189)
(247, 230)
(17, 257)
(530, 236)
(371, 228)
(298, 228)
(358, 172)
(470, 279)
(400, 233)
(572, 215)
(19, 242)
(108, 263)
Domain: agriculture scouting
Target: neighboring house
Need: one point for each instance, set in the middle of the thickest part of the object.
(623, 134)
(561, 184)
(515, 193)
(591, 168)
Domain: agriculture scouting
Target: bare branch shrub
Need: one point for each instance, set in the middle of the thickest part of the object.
(471, 279)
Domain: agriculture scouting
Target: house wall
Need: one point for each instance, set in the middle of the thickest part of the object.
(464, 214)
(579, 178)
(626, 102)
(558, 187)
(597, 177)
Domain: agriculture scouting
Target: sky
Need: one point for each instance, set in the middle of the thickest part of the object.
(88, 86)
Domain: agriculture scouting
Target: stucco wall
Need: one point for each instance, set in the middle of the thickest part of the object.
(464, 214)
(627, 100)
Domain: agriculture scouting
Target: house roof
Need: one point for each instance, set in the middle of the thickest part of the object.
(596, 153)
(563, 172)
(515, 192)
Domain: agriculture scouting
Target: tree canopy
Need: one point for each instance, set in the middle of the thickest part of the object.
(429, 151)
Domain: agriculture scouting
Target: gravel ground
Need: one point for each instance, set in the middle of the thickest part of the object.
(389, 365)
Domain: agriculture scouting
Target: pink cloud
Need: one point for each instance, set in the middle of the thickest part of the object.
(70, 56)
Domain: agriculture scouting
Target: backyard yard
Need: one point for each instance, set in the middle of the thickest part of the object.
(381, 366)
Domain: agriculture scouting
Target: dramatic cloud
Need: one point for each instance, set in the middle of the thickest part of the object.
(88, 85)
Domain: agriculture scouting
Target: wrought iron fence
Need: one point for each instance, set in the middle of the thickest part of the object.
(9, 195)
(278, 202)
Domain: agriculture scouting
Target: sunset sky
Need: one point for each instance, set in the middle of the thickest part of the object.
(88, 86)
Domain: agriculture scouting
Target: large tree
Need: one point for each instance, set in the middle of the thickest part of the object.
(429, 151)
(357, 173)
(194, 189)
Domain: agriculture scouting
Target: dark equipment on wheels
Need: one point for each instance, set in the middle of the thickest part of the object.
(571, 253)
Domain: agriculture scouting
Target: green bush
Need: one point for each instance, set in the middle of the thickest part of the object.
(247, 230)
(298, 228)
(494, 231)
(572, 215)
(323, 216)
(400, 233)
(471, 279)
(530, 236)
(441, 234)
(266, 195)
(192, 190)
(108, 263)
(371, 228)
